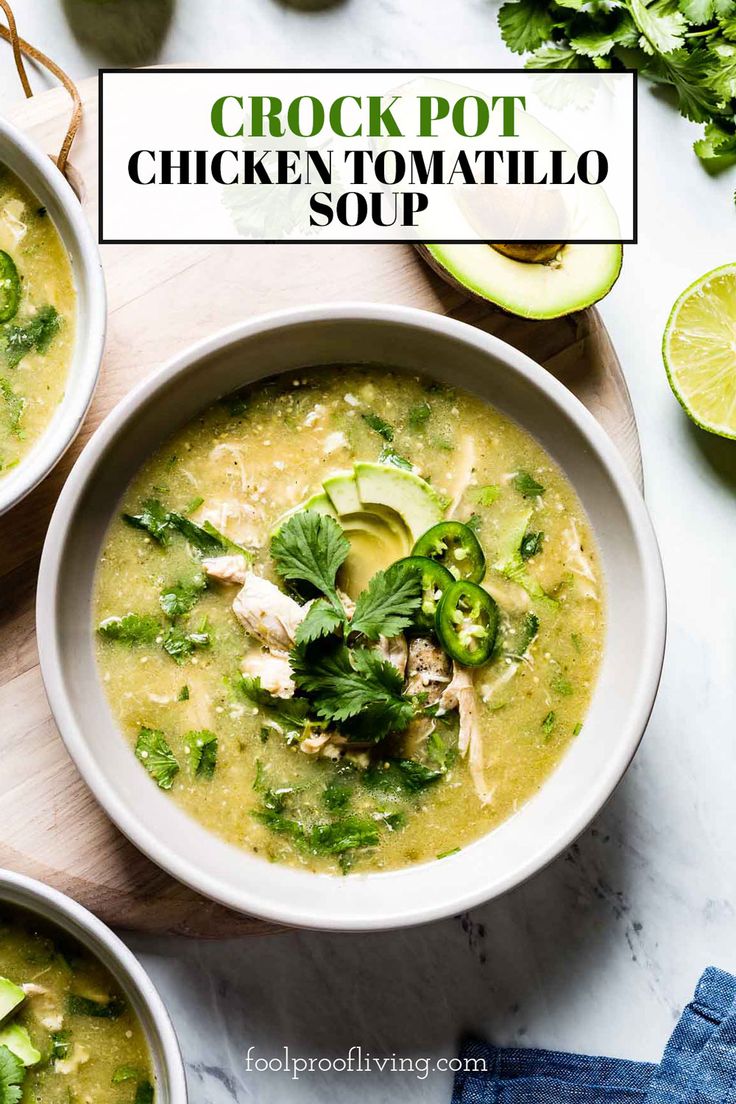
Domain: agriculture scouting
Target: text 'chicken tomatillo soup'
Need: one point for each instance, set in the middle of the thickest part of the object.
(350, 618)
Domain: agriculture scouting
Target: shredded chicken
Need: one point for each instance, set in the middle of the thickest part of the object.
(466, 464)
(460, 695)
(268, 614)
(237, 520)
(427, 672)
(273, 669)
(578, 563)
(234, 456)
(44, 1006)
(77, 1058)
(316, 743)
(427, 669)
(395, 650)
(228, 569)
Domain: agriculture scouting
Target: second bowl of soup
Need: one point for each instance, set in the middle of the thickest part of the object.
(355, 631)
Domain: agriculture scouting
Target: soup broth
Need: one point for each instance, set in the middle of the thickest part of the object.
(74, 1030)
(37, 320)
(326, 794)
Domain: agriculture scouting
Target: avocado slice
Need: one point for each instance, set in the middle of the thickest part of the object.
(11, 997)
(342, 491)
(575, 277)
(18, 1042)
(411, 497)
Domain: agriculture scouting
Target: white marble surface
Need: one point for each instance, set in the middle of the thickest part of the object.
(600, 952)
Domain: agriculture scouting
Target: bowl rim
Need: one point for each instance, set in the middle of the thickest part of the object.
(89, 340)
(35, 896)
(290, 912)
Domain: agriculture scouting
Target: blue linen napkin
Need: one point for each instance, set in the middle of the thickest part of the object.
(698, 1065)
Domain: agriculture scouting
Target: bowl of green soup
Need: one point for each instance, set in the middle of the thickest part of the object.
(351, 617)
(52, 315)
(79, 1018)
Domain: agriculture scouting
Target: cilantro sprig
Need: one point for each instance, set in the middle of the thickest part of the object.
(687, 44)
(12, 1075)
(311, 548)
(352, 687)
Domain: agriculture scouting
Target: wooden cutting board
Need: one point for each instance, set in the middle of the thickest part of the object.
(161, 299)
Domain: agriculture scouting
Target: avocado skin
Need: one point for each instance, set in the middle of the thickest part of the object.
(470, 293)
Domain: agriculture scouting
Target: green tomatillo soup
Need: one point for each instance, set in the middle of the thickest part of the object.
(37, 320)
(67, 1033)
(349, 618)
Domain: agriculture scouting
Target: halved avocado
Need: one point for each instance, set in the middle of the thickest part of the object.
(574, 278)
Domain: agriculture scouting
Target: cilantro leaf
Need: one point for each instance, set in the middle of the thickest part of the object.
(549, 723)
(144, 1093)
(419, 415)
(125, 1073)
(345, 684)
(388, 605)
(153, 519)
(180, 598)
(388, 456)
(180, 645)
(662, 26)
(486, 495)
(311, 547)
(345, 834)
(12, 1075)
(556, 57)
(321, 620)
(36, 334)
(130, 629)
(202, 752)
(527, 485)
(99, 1010)
(205, 538)
(153, 751)
(289, 712)
(531, 545)
(379, 426)
(15, 405)
(525, 24)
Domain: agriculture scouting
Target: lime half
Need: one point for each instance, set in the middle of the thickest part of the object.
(699, 350)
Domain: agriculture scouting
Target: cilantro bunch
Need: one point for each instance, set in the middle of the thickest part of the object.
(341, 680)
(689, 45)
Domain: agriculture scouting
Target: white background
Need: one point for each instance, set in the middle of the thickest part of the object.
(600, 952)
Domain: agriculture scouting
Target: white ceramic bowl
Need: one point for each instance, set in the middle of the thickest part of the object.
(457, 354)
(62, 911)
(39, 173)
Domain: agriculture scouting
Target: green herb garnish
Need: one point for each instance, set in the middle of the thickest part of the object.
(202, 752)
(12, 1075)
(527, 485)
(130, 629)
(352, 685)
(34, 335)
(180, 598)
(531, 545)
(84, 1006)
(311, 547)
(153, 751)
(379, 426)
(388, 604)
(15, 404)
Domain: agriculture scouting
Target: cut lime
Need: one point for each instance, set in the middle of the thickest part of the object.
(699, 350)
